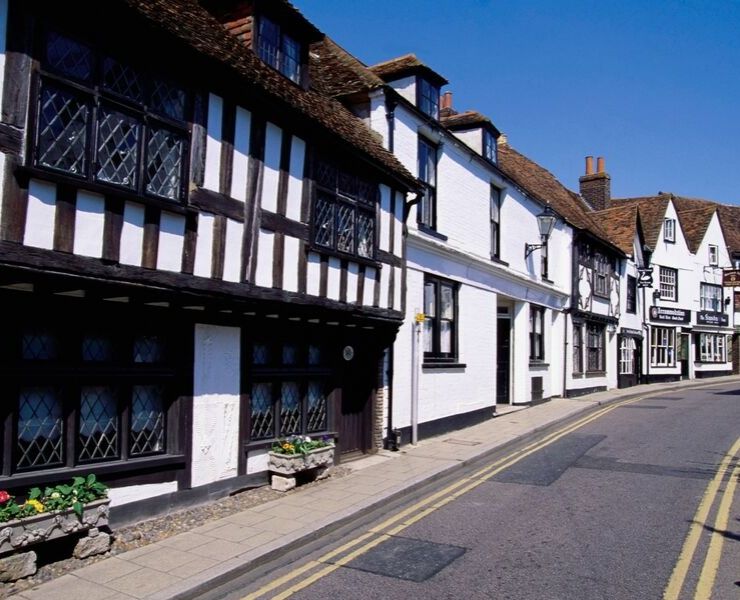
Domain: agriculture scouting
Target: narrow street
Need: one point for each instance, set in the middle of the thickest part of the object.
(600, 508)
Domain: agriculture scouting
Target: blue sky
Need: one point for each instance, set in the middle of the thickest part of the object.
(653, 86)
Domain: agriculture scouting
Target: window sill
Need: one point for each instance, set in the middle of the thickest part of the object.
(547, 280)
(498, 261)
(360, 260)
(601, 295)
(102, 470)
(595, 373)
(443, 365)
(267, 444)
(431, 232)
(538, 364)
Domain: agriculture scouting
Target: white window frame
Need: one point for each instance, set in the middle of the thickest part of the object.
(712, 347)
(662, 346)
(669, 230)
(713, 255)
(627, 356)
(710, 297)
(668, 284)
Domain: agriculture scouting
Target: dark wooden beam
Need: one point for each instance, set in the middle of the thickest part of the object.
(64, 221)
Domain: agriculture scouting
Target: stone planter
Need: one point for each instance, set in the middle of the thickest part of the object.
(17, 535)
(286, 466)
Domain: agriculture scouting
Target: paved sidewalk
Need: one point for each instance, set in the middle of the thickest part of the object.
(183, 565)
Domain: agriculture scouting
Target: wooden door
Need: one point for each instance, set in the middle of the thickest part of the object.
(354, 410)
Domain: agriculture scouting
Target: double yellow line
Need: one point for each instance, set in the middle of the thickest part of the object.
(714, 552)
(412, 514)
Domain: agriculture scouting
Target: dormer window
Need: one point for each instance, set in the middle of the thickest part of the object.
(489, 147)
(669, 230)
(279, 50)
(428, 98)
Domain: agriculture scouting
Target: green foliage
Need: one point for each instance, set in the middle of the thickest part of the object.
(81, 491)
(301, 444)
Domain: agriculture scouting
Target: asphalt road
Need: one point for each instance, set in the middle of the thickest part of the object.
(602, 512)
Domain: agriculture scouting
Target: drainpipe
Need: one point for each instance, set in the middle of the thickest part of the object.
(565, 353)
(646, 343)
(415, 335)
(390, 115)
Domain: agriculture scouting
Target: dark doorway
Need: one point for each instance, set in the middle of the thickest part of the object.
(354, 406)
(629, 361)
(683, 354)
(503, 360)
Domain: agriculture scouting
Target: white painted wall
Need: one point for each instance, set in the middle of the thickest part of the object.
(240, 163)
(265, 253)
(132, 235)
(406, 87)
(214, 135)
(216, 386)
(89, 224)
(40, 215)
(271, 170)
(295, 179)
(233, 250)
(131, 493)
(171, 242)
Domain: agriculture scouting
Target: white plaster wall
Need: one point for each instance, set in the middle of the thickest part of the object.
(353, 270)
(132, 235)
(378, 120)
(295, 179)
(369, 288)
(265, 252)
(521, 381)
(40, 215)
(290, 263)
(204, 245)
(334, 277)
(313, 274)
(406, 87)
(398, 225)
(240, 164)
(398, 288)
(233, 250)
(472, 138)
(384, 233)
(554, 384)
(132, 493)
(214, 137)
(257, 461)
(271, 171)
(89, 224)
(385, 283)
(171, 241)
(216, 375)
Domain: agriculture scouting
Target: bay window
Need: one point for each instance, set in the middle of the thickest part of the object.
(711, 347)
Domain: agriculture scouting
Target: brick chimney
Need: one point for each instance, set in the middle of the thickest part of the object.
(596, 187)
(445, 105)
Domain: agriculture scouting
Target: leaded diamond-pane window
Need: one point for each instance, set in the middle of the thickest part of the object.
(38, 345)
(345, 211)
(260, 354)
(290, 408)
(290, 354)
(148, 349)
(62, 128)
(147, 420)
(314, 354)
(316, 417)
(263, 418)
(346, 228)
(97, 348)
(324, 222)
(98, 437)
(139, 121)
(168, 100)
(68, 57)
(40, 428)
(122, 80)
(163, 164)
(118, 147)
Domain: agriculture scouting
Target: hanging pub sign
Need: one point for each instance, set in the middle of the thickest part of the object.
(705, 317)
(730, 277)
(645, 277)
(669, 315)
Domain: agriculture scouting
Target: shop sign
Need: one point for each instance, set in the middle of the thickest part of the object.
(730, 277)
(630, 332)
(669, 315)
(705, 317)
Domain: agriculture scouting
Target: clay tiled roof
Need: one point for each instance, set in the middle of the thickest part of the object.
(406, 65)
(729, 217)
(467, 120)
(621, 223)
(542, 185)
(694, 222)
(192, 24)
(652, 212)
(335, 72)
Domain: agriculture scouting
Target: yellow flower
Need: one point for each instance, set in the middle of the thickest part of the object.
(36, 504)
(288, 447)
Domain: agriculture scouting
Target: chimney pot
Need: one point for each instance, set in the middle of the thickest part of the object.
(600, 165)
(589, 165)
(446, 100)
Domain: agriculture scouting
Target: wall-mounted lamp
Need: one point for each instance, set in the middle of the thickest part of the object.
(545, 222)
(656, 296)
(727, 301)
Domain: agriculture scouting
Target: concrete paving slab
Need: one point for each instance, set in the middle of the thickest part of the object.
(140, 584)
(69, 587)
(233, 532)
(219, 550)
(186, 541)
(107, 570)
(164, 559)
